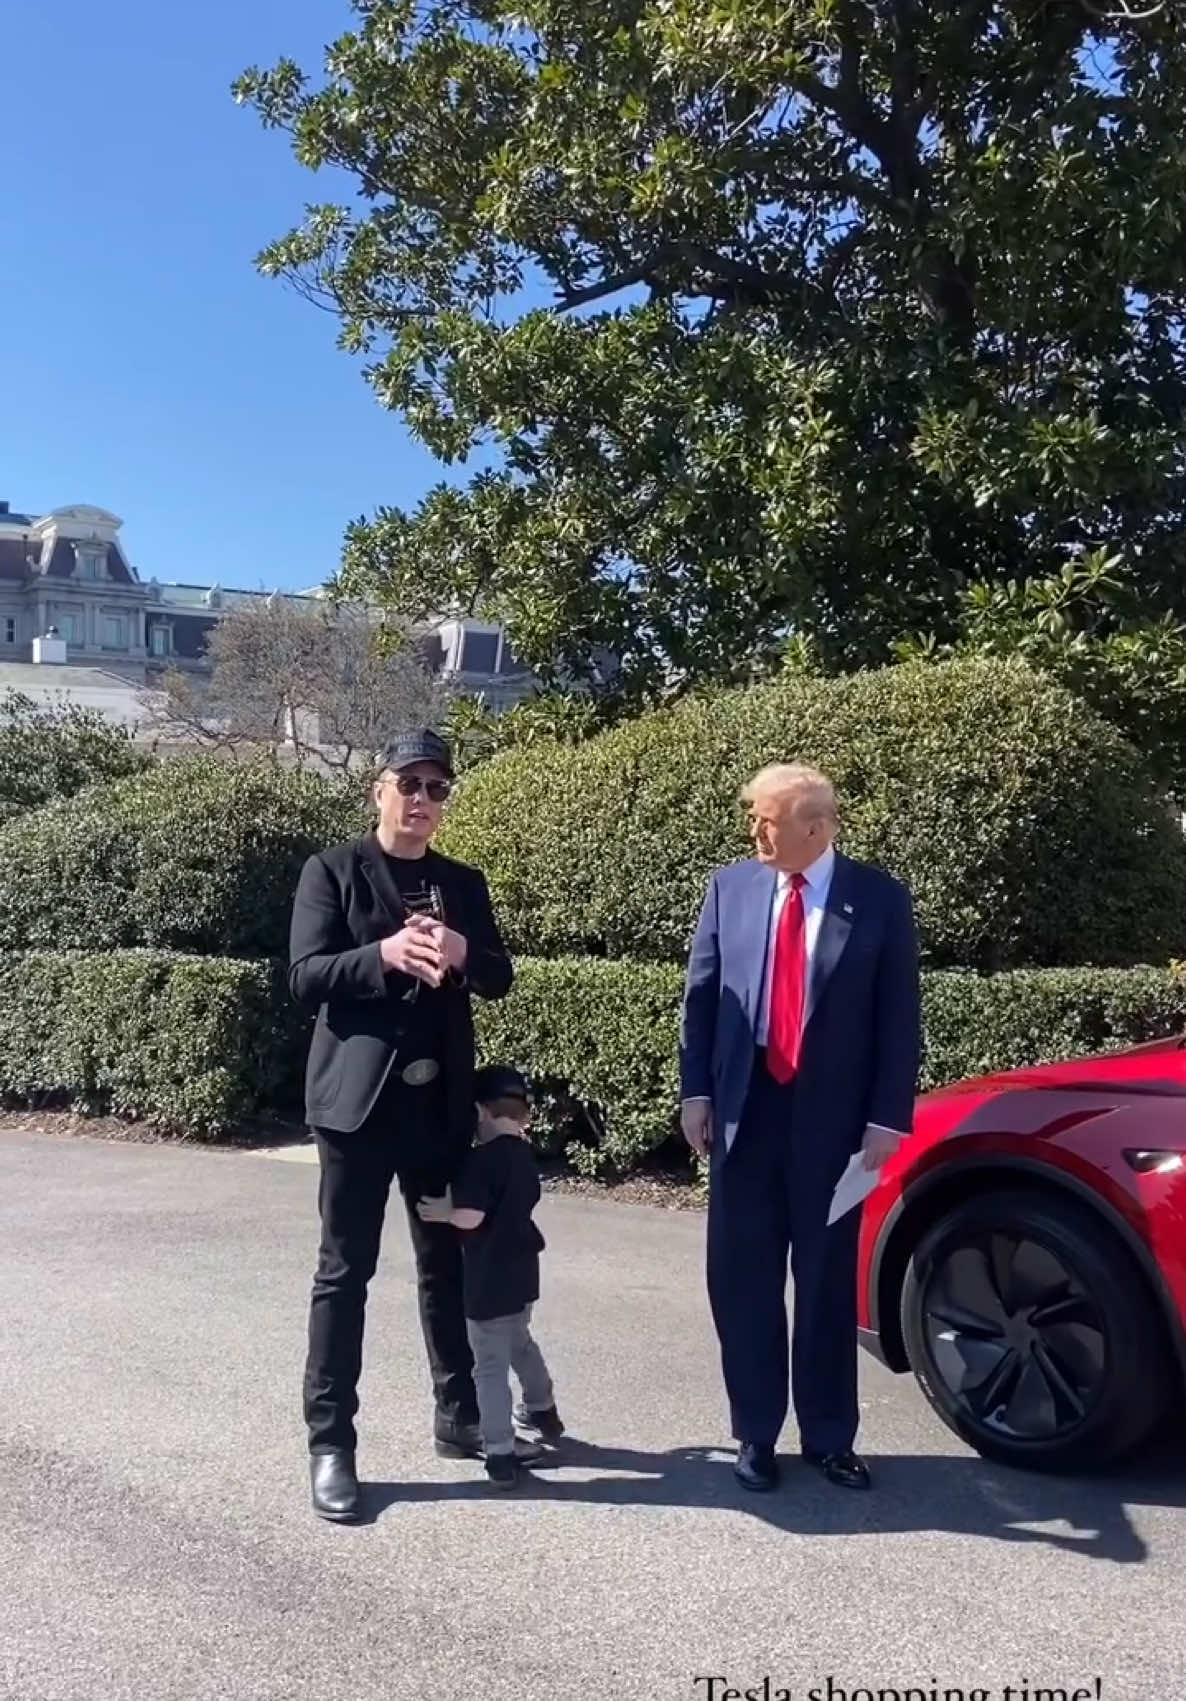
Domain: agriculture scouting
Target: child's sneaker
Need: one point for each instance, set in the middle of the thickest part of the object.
(503, 1470)
(545, 1424)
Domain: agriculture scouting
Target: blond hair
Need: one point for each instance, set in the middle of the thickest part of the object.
(798, 780)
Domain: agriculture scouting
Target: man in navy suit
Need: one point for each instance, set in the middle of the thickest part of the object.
(800, 1046)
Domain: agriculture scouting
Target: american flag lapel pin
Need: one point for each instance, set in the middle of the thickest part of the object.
(848, 909)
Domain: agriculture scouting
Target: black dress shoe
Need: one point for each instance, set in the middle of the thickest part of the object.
(457, 1440)
(335, 1486)
(756, 1467)
(844, 1469)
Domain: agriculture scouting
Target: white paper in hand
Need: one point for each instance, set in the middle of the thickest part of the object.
(855, 1184)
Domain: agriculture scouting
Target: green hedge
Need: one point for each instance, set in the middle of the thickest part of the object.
(191, 1045)
(601, 1037)
(197, 1045)
(599, 1041)
(194, 855)
(53, 750)
(1025, 827)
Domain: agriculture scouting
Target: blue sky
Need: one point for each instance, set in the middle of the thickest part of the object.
(146, 366)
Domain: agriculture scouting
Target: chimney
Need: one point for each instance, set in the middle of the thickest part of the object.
(50, 650)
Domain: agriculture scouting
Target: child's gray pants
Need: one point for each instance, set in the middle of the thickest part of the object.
(500, 1345)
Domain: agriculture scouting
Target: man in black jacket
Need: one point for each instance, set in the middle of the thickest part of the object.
(389, 939)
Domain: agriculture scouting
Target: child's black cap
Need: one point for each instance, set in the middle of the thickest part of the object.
(499, 1082)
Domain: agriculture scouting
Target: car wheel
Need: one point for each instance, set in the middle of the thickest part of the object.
(1032, 1334)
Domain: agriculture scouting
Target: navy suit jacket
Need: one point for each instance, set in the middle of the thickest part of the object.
(862, 1040)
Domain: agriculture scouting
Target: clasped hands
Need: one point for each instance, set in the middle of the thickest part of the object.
(425, 949)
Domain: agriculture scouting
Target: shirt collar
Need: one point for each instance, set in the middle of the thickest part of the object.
(817, 874)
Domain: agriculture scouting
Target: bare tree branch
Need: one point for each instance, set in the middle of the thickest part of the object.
(318, 686)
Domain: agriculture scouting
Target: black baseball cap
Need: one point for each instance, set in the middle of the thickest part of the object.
(423, 745)
(499, 1082)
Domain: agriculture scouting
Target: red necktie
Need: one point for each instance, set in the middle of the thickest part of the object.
(788, 985)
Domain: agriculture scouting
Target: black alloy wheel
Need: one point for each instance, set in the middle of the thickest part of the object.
(1033, 1334)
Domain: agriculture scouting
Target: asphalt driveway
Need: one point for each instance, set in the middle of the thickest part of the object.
(158, 1546)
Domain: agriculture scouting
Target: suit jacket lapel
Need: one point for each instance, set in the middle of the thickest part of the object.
(381, 881)
(758, 954)
(836, 925)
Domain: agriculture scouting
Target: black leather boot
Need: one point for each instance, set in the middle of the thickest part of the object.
(456, 1440)
(335, 1486)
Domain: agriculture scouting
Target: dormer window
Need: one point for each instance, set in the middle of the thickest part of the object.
(92, 563)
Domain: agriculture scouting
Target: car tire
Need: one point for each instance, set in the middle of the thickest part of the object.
(1032, 1333)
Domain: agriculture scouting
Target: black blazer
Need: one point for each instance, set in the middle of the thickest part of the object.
(346, 903)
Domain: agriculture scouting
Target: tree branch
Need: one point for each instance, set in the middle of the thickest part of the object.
(840, 258)
(863, 191)
(613, 285)
(851, 108)
(722, 275)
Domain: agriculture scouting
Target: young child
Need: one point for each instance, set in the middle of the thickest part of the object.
(491, 1203)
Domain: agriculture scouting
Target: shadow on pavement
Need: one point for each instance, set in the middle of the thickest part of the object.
(911, 1494)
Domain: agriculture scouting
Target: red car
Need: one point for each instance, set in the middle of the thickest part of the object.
(1025, 1256)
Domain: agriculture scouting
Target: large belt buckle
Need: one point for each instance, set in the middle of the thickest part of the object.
(420, 1072)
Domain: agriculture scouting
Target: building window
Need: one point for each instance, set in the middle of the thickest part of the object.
(68, 628)
(115, 632)
(159, 640)
(9, 629)
(91, 563)
(479, 652)
(508, 662)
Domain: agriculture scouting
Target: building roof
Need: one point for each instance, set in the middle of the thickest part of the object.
(14, 558)
(33, 678)
(201, 596)
(119, 700)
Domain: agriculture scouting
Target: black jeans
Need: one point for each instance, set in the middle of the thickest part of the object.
(400, 1141)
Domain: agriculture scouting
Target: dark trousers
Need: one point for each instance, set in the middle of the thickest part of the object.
(400, 1141)
(769, 1196)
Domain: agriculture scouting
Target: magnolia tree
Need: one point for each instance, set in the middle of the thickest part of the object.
(767, 316)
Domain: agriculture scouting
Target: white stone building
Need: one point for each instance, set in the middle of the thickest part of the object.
(79, 622)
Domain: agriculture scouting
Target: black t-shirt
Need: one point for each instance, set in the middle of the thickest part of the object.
(501, 1257)
(423, 1030)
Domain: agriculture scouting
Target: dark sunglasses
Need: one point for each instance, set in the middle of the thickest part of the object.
(411, 785)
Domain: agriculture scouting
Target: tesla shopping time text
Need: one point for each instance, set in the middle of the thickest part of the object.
(717, 1688)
